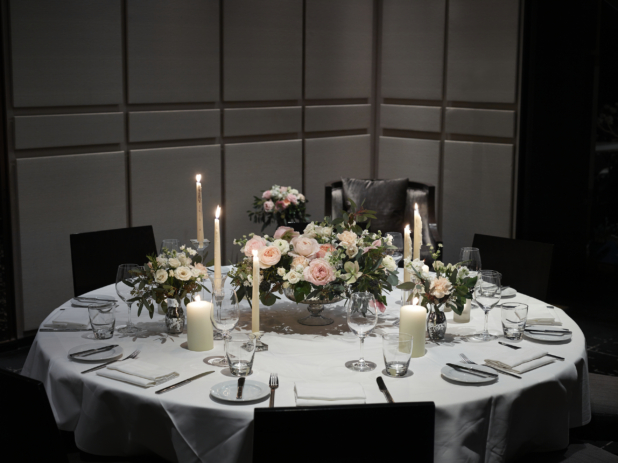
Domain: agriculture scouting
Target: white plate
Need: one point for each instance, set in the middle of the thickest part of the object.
(107, 355)
(548, 337)
(252, 390)
(508, 293)
(461, 376)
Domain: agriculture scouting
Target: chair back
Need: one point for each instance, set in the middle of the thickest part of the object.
(28, 427)
(524, 265)
(95, 256)
(338, 433)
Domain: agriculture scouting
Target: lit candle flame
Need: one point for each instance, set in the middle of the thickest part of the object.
(416, 206)
(255, 253)
(407, 229)
(415, 301)
(198, 178)
(218, 212)
(197, 298)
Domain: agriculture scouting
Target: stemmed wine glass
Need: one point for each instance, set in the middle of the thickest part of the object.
(125, 280)
(487, 294)
(397, 254)
(362, 317)
(471, 258)
(224, 316)
(170, 245)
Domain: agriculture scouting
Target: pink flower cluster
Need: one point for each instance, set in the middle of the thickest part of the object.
(280, 199)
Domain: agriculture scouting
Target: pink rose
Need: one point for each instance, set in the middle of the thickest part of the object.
(269, 205)
(292, 198)
(303, 246)
(324, 248)
(269, 256)
(285, 233)
(267, 194)
(374, 245)
(284, 189)
(281, 205)
(319, 272)
(255, 243)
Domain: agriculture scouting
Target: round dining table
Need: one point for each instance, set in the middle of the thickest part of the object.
(492, 422)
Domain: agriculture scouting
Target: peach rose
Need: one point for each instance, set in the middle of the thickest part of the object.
(267, 194)
(292, 198)
(269, 206)
(324, 248)
(347, 238)
(303, 246)
(254, 243)
(319, 272)
(269, 256)
(440, 287)
(281, 205)
(285, 233)
(300, 260)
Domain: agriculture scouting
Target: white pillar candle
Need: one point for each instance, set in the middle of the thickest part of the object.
(412, 321)
(199, 325)
(255, 307)
(200, 212)
(407, 251)
(465, 314)
(418, 229)
(217, 250)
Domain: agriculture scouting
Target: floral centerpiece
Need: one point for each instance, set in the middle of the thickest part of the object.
(329, 260)
(280, 204)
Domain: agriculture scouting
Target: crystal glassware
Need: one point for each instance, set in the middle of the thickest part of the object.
(514, 317)
(398, 243)
(125, 281)
(224, 316)
(397, 350)
(240, 350)
(102, 319)
(170, 245)
(487, 295)
(471, 257)
(362, 316)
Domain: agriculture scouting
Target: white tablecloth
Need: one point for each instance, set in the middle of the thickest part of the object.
(491, 423)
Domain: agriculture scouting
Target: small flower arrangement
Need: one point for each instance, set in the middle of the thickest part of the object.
(280, 204)
(328, 260)
(170, 275)
(451, 285)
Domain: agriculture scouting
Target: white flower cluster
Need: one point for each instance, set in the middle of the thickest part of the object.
(173, 264)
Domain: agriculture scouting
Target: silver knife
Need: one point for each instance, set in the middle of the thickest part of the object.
(51, 330)
(384, 390)
(241, 384)
(86, 353)
(96, 298)
(182, 383)
(541, 330)
(474, 371)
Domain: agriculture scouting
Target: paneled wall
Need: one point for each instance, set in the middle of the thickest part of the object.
(115, 105)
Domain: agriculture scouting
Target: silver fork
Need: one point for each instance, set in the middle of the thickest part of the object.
(274, 384)
(467, 360)
(98, 367)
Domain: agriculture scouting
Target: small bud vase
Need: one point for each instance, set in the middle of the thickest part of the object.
(175, 317)
(436, 323)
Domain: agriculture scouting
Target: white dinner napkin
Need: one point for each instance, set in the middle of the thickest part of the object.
(310, 393)
(70, 318)
(521, 360)
(139, 373)
(543, 316)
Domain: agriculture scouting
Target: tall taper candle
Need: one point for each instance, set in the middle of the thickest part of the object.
(412, 321)
(217, 250)
(199, 325)
(407, 250)
(200, 212)
(255, 308)
(418, 229)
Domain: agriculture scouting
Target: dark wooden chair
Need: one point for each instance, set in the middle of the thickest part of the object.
(95, 256)
(524, 265)
(29, 431)
(400, 210)
(340, 433)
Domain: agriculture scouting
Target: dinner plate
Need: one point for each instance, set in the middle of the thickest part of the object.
(107, 355)
(461, 376)
(548, 337)
(252, 390)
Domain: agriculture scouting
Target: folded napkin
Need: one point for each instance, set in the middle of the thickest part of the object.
(521, 360)
(140, 373)
(543, 316)
(310, 393)
(70, 318)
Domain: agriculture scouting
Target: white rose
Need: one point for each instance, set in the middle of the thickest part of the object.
(283, 246)
(389, 263)
(326, 231)
(191, 251)
(174, 262)
(301, 197)
(184, 260)
(161, 276)
(293, 277)
(309, 231)
(162, 261)
(183, 273)
(281, 271)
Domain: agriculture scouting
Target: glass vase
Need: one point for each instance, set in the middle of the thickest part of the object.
(436, 323)
(174, 317)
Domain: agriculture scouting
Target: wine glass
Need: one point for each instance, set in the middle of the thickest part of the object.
(398, 243)
(487, 295)
(471, 258)
(125, 281)
(362, 317)
(224, 315)
(170, 245)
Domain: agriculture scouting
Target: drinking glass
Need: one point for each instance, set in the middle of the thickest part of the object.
(125, 281)
(514, 317)
(362, 318)
(471, 258)
(170, 245)
(487, 295)
(239, 350)
(397, 350)
(224, 315)
(398, 243)
(102, 319)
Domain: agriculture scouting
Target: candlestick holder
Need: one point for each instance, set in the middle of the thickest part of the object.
(259, 345)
